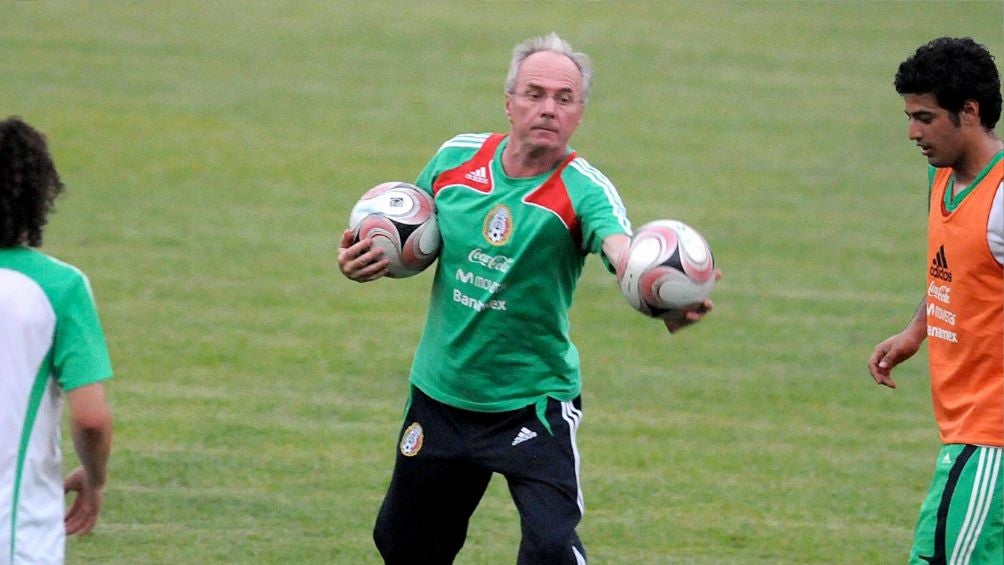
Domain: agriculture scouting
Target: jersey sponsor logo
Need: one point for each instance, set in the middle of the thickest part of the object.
(411, 441)
(475, 304)
(499, 263)
(939, 266)
(497, 227)
(940, 313)
(478, 281)
(940, 292)
(478, 175)
(941, 333)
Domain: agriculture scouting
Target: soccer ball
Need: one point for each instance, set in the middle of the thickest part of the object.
(668, 266)
(400, 218)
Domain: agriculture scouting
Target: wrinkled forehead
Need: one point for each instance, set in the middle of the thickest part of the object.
(549, 70)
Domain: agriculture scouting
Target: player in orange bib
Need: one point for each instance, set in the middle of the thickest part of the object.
(951, 89)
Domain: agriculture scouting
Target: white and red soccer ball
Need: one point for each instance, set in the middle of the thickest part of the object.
(668, 266)
(400, 218)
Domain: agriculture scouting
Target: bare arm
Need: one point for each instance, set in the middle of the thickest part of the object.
(91, 426)
(898, 348)
(614, 246)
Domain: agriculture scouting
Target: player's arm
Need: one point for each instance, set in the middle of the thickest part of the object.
(361, 261)
(91, 426)
(898, 348)
(614, 246)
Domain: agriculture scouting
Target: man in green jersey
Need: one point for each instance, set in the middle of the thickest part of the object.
(495, 382)
(51, 347)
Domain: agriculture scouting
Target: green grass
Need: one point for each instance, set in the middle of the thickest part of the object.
(212, 151)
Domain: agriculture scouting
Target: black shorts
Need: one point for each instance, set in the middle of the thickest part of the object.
(445, 459)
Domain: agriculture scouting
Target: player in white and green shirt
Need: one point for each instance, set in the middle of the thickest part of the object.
(51, 346)
(496, 380)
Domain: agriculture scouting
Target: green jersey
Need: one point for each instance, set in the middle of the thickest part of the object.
(497, 334)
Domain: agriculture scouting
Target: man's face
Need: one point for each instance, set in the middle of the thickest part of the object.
(547, 105)
(940, 139)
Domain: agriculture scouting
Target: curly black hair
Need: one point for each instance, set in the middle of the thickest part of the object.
(954, 70)
(29, 184)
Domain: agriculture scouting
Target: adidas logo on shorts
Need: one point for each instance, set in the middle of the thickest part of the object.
(524, 435)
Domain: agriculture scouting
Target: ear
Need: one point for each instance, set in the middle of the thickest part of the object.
(970, 112)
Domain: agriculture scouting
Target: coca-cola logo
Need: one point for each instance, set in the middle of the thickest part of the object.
(499, 263)
(940, 292)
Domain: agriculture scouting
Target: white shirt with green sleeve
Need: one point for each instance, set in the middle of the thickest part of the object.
(51, 342)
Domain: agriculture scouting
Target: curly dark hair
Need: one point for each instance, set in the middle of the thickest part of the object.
(29, 183)
(954, 70)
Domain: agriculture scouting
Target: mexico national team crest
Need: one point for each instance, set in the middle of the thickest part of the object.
(411, 441)
(497, 228)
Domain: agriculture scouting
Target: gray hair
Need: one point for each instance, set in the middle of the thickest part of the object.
(549, 42)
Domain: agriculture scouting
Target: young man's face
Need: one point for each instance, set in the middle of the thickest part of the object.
(940, 138)
(547, 106)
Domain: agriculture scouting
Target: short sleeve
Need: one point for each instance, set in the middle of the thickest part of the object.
(80, 353)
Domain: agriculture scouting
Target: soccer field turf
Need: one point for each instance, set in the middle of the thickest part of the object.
(212, 151)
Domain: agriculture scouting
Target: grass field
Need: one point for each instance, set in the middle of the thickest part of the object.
(212, 150)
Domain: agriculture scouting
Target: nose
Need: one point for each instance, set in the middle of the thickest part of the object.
(913, 131)
(548, 106)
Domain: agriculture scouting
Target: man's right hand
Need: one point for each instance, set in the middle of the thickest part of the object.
(890, 353)
(83, 514)
(362, 261)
